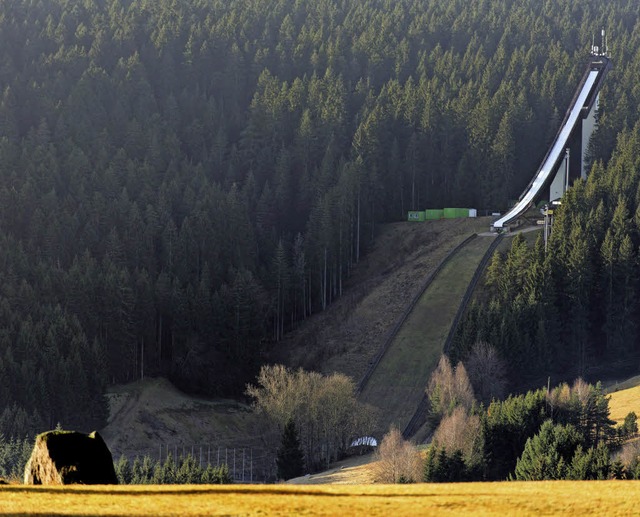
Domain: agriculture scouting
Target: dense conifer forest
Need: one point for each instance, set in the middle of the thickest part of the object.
(183, 181)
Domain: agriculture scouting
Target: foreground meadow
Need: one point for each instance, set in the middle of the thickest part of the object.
(533, 498)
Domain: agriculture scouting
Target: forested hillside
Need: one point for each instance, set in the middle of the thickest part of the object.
(573, 310)
(183, 181)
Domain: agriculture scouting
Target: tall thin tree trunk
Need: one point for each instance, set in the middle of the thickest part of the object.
(373, 219)
(413, 189)
(358, 231)
(340, 258)
(324, 282)
(160, 341)
(304, 297)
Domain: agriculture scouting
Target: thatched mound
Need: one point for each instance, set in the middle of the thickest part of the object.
(68, 457)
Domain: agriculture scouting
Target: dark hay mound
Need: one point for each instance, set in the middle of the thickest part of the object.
(68, 457)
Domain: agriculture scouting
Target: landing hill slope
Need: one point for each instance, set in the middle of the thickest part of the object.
(346, 337)
(397, 384)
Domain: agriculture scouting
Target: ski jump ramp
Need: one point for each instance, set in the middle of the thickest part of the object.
(578, 124)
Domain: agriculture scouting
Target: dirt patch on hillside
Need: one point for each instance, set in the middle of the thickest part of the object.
(346, 337)
(152, 417)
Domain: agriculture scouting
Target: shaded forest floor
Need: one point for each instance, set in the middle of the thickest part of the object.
(346, 337)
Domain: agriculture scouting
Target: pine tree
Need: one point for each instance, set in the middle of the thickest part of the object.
(290, 460)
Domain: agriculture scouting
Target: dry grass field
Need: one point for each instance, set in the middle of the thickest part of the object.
(356, 470)
(523, 498)
(625, 400)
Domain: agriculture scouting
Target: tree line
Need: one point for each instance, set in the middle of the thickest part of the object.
(551, 433)
(185, 471)
(182, 182)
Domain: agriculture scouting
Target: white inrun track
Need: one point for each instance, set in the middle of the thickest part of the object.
(548, 167)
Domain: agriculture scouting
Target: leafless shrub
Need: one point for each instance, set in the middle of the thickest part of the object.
(629, 454)
(397, 460)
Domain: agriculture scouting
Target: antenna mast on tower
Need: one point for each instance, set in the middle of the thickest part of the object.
(602, 49)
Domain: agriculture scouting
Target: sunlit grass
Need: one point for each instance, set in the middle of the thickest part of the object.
(623, 402)
(541, 498)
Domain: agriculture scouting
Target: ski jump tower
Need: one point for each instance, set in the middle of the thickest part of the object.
(565, 159)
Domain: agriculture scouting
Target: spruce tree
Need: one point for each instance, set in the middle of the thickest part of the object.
(290, 460)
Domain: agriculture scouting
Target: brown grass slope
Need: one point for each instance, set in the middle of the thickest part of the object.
(625, 398)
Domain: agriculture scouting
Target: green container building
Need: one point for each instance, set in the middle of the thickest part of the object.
(456, 213)
(416, 216)
(434, 214)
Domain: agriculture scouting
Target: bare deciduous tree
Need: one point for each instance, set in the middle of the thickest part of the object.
(460, 431)
(558, 398)
(397, 460)
(325, 410)
(487, 372)
(449, 387)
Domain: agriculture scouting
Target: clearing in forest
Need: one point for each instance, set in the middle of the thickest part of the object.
(348, 335)
(625, 398)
